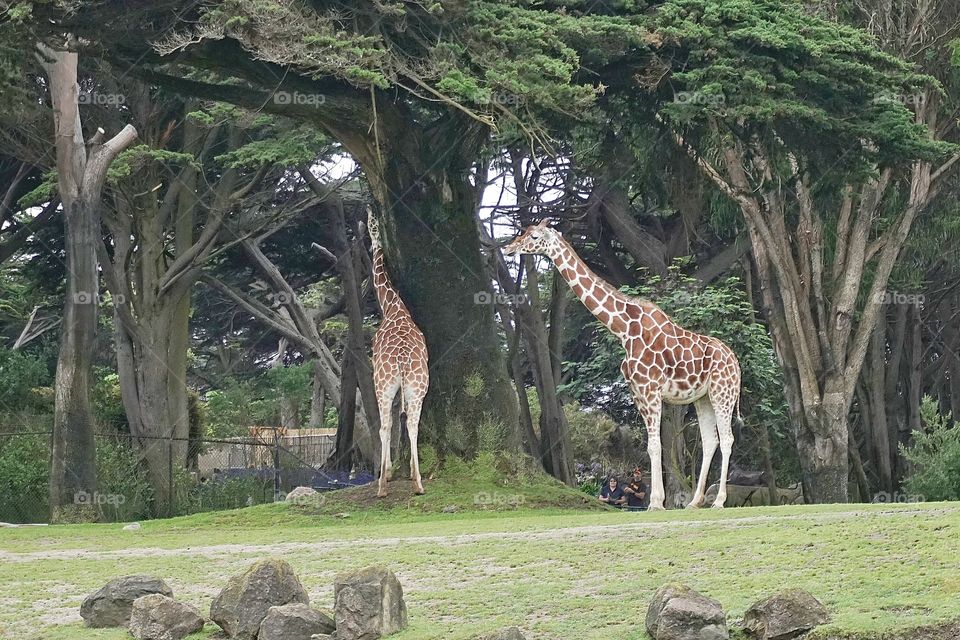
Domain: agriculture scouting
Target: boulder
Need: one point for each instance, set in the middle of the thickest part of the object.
(110, 605)
(509, 633)
(784, 615)
(368, 604)
(242, 605)
(294, 622)
(157, 617)
(677, 612)
(304, 496)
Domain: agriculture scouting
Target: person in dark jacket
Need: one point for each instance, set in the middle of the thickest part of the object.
(612, 493)
(636, 492)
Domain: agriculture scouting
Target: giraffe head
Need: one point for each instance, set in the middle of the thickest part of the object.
(373, 227)
(538, 238)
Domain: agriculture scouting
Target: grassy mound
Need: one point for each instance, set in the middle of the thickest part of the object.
(491, 483)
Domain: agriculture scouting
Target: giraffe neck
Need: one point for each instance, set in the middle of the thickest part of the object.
(387, 296)
(597, 295)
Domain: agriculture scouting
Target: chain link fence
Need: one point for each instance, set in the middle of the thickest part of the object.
(197, 474)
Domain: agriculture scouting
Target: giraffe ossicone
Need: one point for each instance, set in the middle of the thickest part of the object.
(400, 365)
(664, 362)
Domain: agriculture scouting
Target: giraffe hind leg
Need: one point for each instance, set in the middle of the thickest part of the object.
(709, 438)
(385, 402)
(725, 433)
(414, 404)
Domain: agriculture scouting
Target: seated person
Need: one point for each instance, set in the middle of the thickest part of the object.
(636, 492)
(612, 493)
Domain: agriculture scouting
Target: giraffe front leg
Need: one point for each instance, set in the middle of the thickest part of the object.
(651, 417)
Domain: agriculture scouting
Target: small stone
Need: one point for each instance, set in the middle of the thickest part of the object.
(368, 604)
(133, 526)
(157, 617)
(242, 605)
(110, 605)
(451, 508)
(677, 612)
(294, 622)
(784, 615)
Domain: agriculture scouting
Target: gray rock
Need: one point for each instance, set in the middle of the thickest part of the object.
(133, 526)
(242, 605)
(509, 633)
(450, 508)
(368, 604)
(784, 615)
(157, 617)
(322, 636)
(294, 622)
(305, 496)
(110, 605)
(677, 612)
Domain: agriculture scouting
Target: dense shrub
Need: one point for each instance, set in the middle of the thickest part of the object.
(934, 456)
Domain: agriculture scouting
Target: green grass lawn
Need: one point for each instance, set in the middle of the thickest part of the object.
(539, 558)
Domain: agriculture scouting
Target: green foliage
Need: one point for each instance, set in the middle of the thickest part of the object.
(135, 160)
(106, 400)
(120, 473)
(934, 456)
(590, 433)
(20, 376)
(762, 64)
(24, 477)
(301, 145)
(239, 404)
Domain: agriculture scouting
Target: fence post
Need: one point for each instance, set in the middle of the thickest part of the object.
(276, 466)
(170, 509)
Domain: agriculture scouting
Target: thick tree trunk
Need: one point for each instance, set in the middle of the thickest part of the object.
(434, 258)
(674, 453)
(73, 473)
(80, 176)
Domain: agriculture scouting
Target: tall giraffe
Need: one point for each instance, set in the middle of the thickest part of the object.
(664, 362)
(400, 365)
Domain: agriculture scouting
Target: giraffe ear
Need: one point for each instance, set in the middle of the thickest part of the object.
(543, 223)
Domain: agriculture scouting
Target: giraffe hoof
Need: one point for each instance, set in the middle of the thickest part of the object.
(655, 508)
(717, 505)
(694, 505)
(419, 492)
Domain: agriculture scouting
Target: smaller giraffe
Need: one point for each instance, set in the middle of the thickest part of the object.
(400, 365)
(664, 362)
